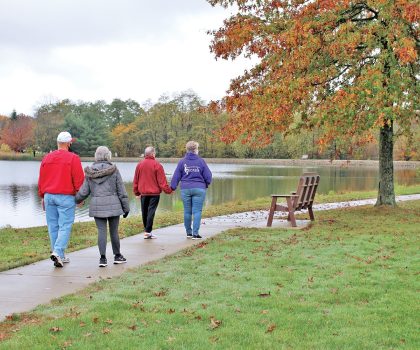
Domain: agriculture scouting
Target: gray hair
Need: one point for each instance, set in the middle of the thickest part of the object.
(149, 150)
(192, 147)
(102, 153)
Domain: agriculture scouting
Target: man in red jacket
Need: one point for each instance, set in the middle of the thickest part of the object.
(60, 177)
(149, 181)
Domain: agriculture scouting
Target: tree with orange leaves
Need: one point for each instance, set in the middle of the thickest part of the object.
(18, 132)
(348, 68)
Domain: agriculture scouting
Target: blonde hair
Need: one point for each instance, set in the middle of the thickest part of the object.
(192, 147)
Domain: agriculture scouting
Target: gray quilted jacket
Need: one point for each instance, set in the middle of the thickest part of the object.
(104, 184)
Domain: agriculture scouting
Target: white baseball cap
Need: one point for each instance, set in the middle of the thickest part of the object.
(64, 137)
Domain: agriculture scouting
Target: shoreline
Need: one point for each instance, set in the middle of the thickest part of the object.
(398, 164)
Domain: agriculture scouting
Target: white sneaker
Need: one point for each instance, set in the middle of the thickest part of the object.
(65, 260)
(57, 260)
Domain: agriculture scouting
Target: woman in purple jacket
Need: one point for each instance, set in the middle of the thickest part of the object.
(195, 177)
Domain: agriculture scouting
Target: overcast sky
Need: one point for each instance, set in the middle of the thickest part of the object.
(104, 49)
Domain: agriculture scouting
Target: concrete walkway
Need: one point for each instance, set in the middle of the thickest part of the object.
(23, 288)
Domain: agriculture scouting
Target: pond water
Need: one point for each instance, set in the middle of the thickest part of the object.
(20, 205)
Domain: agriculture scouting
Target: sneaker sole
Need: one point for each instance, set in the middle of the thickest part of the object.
(189, 237)
(120, 262)
(195, 238)
(103, 265)
(57, 263)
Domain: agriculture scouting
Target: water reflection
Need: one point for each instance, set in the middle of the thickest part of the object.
(20, 205)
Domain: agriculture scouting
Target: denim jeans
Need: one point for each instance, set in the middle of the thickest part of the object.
(193, 200)
(59, 209)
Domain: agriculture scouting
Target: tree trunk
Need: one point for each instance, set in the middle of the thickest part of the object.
(386, 195)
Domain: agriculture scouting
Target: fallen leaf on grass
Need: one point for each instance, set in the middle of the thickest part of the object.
(108, 321)
(82, 324)
(264, 295)
(170, 339)
(264, 312)
(271, 328)
(55, 329)
(171, 311)
(106, 331)
(160, 293)
(214, 323)
(204, 306)
(95, 320)
(133, 327)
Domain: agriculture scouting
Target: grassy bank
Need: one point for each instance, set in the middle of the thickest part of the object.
(18, 156)
(26, 245)
(398, 164)
(348, 282)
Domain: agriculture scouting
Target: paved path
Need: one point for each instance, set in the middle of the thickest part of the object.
(23, 288)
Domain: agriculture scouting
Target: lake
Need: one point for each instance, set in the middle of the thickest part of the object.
(20, 205)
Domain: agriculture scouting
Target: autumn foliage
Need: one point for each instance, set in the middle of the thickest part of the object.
(18, 133)
(348, 68)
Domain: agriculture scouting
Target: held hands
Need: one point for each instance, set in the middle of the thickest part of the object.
(81, 204)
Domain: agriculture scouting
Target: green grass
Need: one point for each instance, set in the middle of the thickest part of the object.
(27, 245)
(350, 281)
(17, 156)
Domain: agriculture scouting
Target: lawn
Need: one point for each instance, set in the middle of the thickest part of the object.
(350, 281)
(27, 245)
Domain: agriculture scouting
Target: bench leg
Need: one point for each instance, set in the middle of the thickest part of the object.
(311, 214)
(291, 211)
(271, 213)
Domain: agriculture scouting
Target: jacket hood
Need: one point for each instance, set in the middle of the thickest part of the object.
(99, 171)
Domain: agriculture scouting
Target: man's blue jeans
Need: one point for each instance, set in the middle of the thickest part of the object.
(59, 209)
(193, 200)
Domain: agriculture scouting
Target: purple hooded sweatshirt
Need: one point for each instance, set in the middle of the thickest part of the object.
(193, 172)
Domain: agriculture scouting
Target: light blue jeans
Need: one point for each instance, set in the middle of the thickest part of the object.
(193, 200)
(59, 209)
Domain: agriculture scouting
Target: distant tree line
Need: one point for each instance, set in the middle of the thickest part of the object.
(127, 127)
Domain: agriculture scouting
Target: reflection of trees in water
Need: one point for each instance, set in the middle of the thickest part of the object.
(18, 194)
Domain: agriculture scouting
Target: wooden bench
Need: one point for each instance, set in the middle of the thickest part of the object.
(302, 199)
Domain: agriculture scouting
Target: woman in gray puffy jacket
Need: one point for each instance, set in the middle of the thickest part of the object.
(108, 201)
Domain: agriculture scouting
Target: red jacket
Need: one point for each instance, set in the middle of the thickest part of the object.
(60, 173)
(149, 178)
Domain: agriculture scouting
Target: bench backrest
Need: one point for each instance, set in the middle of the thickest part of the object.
(308, 183)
